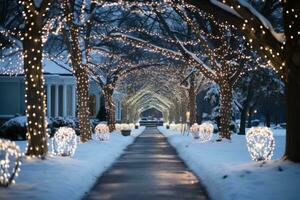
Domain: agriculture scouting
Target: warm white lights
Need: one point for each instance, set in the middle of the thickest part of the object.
(64, 142)
(205, 132)
(194, 129)
(9, 162)
(102, 132)
(260, 143)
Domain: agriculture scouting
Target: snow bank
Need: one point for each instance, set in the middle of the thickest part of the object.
(67, 178)
(228, 172)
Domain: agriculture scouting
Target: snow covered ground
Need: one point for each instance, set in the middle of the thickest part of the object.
(228, 172)
(67, 178)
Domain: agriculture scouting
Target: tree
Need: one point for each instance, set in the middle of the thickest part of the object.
(260, 89)
(282, 56)
(71, 32)
(30, 39)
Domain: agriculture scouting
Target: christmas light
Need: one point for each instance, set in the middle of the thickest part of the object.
(194, 129)
(102, 132)
(260, 143)
(205, 132)
(10, 161)
(64, 142)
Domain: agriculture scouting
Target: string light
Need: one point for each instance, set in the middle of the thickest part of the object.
(102, 132)
(260, 143)
(10, 161)
(64, 142)
(205, 132)
(194, 129)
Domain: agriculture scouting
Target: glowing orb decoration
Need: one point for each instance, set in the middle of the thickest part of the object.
(118, 127)
(125, 127)
(102, 132)
(10, 161)
(260, 143)
(194, 129)
(205, 132)
(172, 126)
(64, 142)
(131, 126)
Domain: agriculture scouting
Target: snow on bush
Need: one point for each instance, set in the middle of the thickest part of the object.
(205, 132)
(15, 128)
(9, 162)
(64, 142)
(102, 132)
(260, 143)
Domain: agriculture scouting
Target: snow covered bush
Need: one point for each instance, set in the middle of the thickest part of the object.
(260, 143)
(57, 122)
(10, 161)
(14, 129)
(64, 142)
(205, 132)
(194, 129)
(102, 132)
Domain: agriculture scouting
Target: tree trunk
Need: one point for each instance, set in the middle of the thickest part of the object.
(225, 109)
(292, 53)
(192, 100)
(82, 84)
(243, 121)
(110, 108)
(80, 72)
(267, 119)
(82, 103)
(249, 124)
(34, 88)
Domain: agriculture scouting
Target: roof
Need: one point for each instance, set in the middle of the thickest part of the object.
(14, 66)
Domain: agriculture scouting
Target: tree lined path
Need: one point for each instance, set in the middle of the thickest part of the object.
(149, 169)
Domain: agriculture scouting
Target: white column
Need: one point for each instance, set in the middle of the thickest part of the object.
(56, 100)
(73, 100)
(64, 100)
(49, 100)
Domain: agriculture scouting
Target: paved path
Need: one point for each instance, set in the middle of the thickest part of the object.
(148, 170)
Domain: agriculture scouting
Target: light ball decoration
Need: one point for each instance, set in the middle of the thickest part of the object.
(102, 132)
(131, 126)
(205, 132)
(173, 126)
(10, 161)
(194, 129)
(64, 142)
(118, 127)
(125, 126)
(260, 143)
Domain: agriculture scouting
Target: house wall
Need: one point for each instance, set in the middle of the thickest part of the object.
(60, 92)
(11, 96)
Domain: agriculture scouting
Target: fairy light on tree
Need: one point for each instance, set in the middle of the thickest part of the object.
(279, 51)
(32, 44)
(227, 53)
(72, 38)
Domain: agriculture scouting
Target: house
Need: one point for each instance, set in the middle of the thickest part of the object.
(60, 89)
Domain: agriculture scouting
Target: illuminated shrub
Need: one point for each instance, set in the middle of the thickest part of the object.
(205, 132)
(64, 142)
(10, 156)
(102, 132)
(260, 143)
(194, 129)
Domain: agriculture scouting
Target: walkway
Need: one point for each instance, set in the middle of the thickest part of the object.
(149, 169)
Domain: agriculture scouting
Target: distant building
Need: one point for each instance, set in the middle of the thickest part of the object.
(60, 89)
